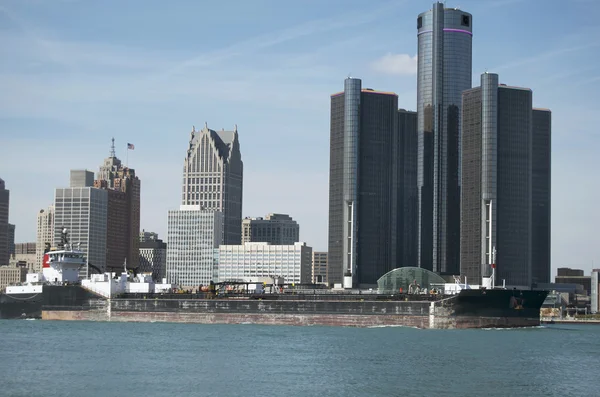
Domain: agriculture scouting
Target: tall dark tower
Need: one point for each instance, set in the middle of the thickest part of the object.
(444, 72)
(363, 185)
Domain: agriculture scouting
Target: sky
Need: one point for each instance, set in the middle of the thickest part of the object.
(75, 73)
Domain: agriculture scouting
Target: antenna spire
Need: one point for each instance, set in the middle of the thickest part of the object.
(112, 148)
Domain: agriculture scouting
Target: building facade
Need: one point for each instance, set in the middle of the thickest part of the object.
(83, 212)
(497, 175)
(193, 235)
(260, 260)
(11, 238)
(363, 185)
(540, 195)
(277, 229)
(123, 217)
(443, 73)
(213, 174)
(10, 275)
(153, 258)
(45, 235)
(81, 178)
(25, 257)
(4, 205)
(319, 268)
(407, 194)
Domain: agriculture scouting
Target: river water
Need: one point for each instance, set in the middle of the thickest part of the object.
(47, 358)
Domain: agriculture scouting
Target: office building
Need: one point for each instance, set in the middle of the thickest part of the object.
(319, 268)
(540, 194)
(11, 239)
(443, 73)
(406, 192)
(83, 212)
(363, 184)
(123, 217)
(153, 258)
(277, 229)
(45, 235)
(497, 174)
(193, 234)
(24, 257)
(595, 291)
(213, 177)
(255, 261)
(10, 275)
(82, 178)
(4, 204)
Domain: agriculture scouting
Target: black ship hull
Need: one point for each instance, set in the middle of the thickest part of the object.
(21, 306)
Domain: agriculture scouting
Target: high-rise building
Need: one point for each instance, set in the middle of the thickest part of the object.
(277, 229)
(497, 175)
(540, 194)
(123, 222)
(82, 178)
(45, 235)
(407, 196)
(11, 239)
(213, 177)
(443, 73)
(4, 204)
(83, 212)
(192, 236)
(153, 257)
(363, 184)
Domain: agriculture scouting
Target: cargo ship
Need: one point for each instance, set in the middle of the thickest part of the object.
(59, 294)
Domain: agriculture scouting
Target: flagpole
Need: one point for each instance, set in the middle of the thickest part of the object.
(127, 156)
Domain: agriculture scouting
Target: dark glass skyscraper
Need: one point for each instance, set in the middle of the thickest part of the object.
(363, 185)
(407, 197)
(540, 194)
(444, 72)
(505, 156)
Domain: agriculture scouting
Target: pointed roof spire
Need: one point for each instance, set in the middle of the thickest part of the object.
(112, 148)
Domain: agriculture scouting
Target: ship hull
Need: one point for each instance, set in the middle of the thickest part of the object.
(21, 306)
(471, 309)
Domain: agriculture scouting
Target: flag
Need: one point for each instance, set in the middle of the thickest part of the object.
(130, 146)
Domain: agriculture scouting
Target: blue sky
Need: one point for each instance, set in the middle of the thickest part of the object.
(76, 73)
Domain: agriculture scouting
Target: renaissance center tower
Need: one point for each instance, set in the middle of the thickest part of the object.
(443, 73)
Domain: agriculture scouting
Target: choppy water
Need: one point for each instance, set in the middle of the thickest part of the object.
(45, 358)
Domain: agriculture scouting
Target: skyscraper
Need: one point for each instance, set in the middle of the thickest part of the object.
(83, 212)
(192, 236)
(443, 73)
(500, 164)
(45, 234)
(123, 212)
(407, 196)
(540, 194)
(213, 174)
(363, 179)
(4, 203)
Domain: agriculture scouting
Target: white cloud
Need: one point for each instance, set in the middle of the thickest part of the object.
(400, 64)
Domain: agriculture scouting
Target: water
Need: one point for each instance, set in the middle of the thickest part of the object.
(46, 358)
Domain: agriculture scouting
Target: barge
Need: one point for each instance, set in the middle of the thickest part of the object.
(59, 294)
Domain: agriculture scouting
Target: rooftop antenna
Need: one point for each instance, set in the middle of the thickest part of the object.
(112, 148)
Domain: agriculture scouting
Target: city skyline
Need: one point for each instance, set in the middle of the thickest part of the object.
(147, 89)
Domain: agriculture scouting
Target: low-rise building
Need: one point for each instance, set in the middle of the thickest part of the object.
(11, 275)
(319, 267)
